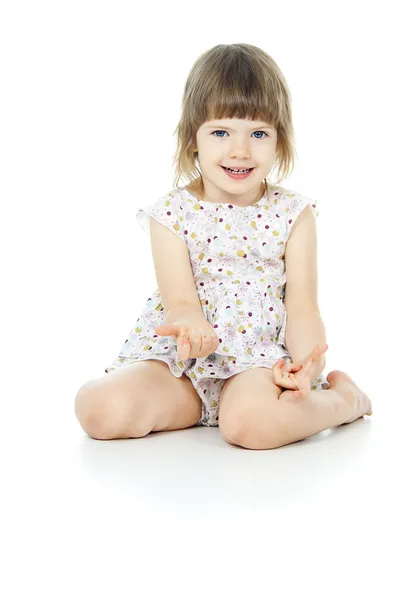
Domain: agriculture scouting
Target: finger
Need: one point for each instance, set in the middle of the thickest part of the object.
(276, 371)
(196, 341)
(208, 344)
(180, 348)
(304, 386)
(294, 394)
(319, 350)
(205, 342)
(175, 329)
(292, 367)
(185, 338)
(277, 367)
(184, 349)
(209, 341)
(288, 369)
(165, 330)
(283, 369)
(201, 343)
(185, 341)
(302, 392)
(316, 352)
(299, 385)
(282, 379)
(289, 383)
(309, 362)
(183, 331)
(313, 357)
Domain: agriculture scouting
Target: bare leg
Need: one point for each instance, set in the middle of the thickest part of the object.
(342, 403)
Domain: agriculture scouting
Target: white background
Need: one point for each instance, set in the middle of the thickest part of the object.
(90, 97)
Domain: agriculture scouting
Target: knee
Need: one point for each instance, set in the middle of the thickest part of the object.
(101, 416)
(253, 434)
(93, 413)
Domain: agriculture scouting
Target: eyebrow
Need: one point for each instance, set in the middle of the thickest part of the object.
(231, 129)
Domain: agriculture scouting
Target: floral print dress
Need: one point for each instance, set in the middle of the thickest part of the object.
(237, 258)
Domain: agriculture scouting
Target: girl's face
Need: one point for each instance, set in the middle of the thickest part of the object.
(236, 143)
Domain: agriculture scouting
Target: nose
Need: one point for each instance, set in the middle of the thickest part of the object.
(240, 149)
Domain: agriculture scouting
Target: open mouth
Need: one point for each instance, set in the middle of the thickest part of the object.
(238, 174)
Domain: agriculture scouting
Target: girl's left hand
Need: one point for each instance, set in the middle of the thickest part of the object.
(297, 376)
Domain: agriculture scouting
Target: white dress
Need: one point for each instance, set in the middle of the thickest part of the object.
(237, 258)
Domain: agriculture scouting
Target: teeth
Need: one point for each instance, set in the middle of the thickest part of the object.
(235, 171)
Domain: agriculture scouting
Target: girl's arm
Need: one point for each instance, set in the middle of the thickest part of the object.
(305, 328)
(303, 332)
(173, 273)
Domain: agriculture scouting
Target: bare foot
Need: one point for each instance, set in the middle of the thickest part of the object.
(358, 400)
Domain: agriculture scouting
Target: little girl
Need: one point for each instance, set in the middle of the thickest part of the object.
(227, 277)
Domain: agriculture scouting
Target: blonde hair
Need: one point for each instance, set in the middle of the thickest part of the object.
(233, 81)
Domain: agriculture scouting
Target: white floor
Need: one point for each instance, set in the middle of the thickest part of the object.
(185, 514)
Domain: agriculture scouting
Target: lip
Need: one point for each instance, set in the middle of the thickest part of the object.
(238, 176)
(237, 168)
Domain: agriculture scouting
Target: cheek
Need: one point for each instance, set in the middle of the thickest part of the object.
(210, 154)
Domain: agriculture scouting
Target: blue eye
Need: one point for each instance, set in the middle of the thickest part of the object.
(222, 130)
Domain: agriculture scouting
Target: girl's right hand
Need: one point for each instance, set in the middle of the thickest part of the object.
(196, 338)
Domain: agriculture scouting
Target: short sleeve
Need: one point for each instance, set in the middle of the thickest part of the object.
(168, 211)
(295, 205)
